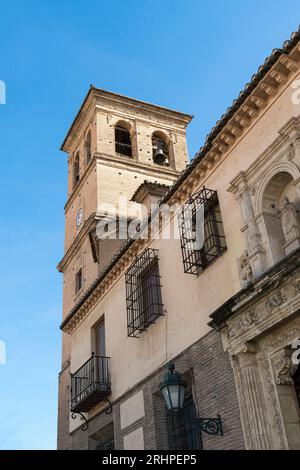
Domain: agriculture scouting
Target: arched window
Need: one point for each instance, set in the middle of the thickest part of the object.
(123, 140)
(88, 149)
(76, 170)
(281, 219)
(160, 150)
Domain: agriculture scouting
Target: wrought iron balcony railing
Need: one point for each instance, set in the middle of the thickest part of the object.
(90, 384)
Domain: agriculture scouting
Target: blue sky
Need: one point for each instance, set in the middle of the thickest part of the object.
(194, 56)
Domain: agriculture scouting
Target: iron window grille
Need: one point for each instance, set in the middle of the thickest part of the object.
(143, 293)
(183, 432)
(123, 141)
(195, 259)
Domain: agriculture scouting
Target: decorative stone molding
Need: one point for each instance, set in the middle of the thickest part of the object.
(242, 323)
(290, 153)
(253, 190)
(245, 270)
(275, 300)
(258, 336)
(284, 370)
(262, 315)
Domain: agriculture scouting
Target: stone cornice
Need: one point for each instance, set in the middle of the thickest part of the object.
(89, 224)
(149, 188)
(275, 307)
(80, 184)
(287, 136)
(122, 163)
(258, 96)
(87, 108)
(210, 161)
(257, 290)
(102, 284)
(272, 78)
(171, 124)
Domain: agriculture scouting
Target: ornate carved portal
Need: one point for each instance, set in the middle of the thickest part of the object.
(259, 341)
(260, 324)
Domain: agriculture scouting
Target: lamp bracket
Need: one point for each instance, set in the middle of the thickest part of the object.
(211, 426)
(85, 424)
(109, 408)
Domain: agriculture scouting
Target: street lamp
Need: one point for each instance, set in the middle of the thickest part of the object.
(173, 388)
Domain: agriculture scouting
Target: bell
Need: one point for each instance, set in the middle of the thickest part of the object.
(159, 156)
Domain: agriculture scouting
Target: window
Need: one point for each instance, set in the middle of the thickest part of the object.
(88, 149)
(100, 339)
(160, 149)
(78, 281)
(100, 349)
(201, 229)
(143, 293)
(183, 433)
(123, 141)
(76, 171)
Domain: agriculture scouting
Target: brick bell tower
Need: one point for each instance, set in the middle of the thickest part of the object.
(114, 144)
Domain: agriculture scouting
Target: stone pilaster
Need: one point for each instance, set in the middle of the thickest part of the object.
(253, 236)
(251, 398)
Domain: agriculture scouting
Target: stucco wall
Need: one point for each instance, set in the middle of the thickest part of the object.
(188, 300)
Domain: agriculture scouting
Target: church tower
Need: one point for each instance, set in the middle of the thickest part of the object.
(114, 145)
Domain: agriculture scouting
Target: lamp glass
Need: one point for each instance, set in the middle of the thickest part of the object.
(174, 396)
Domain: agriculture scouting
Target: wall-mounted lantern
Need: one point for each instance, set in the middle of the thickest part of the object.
(173, 389)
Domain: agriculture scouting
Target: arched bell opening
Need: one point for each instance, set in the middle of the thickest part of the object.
(123, 144)
(160, 149)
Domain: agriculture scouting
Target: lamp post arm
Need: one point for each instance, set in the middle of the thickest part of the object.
(211, 426)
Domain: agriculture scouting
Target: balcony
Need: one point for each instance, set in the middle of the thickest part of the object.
(90, 384)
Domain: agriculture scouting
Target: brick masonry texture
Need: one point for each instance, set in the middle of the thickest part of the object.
(214, 393)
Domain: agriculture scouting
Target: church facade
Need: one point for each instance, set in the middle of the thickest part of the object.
(139, 293)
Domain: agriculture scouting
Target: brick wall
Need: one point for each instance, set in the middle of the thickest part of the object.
(63, 438)
(214, 393)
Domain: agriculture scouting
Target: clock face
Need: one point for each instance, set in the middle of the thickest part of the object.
(79, 217)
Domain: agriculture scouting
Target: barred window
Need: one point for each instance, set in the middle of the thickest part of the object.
(201, 231)
(143, 293)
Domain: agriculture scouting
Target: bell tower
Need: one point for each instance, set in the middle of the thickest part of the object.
(114, 145)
